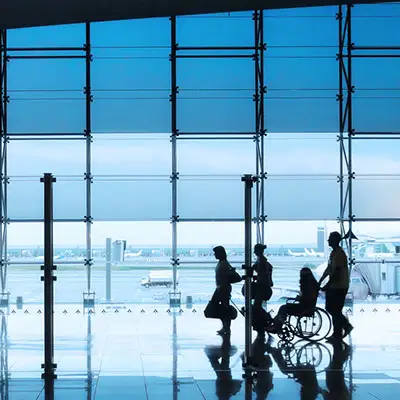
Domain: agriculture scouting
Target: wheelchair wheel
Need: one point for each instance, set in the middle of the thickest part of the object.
(308, 326)
(326, 325)
(286, 333)
(315, 354)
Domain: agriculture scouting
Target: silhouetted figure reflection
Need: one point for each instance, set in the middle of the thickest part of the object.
(288, 361)
(219, 357)
(223, 289)
(263, 377)
(334, 374)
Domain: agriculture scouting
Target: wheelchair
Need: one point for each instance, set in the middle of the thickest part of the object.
(312, 325)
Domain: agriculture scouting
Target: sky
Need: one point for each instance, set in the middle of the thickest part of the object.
(131, 120)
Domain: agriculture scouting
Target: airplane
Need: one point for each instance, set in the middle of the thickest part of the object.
(298, 254)
(313, 253)
(138, 254)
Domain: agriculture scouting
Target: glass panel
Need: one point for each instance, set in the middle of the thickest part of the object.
(134, 71)
(216, 115)
(131, 198)
(57, 157)
(377, 253)
(302, 154)
(225, 75)
(69, 256)
(197, 262)
(233, 29)
(25, 242)
(67, 116)
(138, 32)
(21, 189)
(293, 245)
(131, 115)
(72, 35)
(375, 114)
(26, 251)
(131, 154)
(48, 94)
(306, 115)
(376, 196)
(375, 24)
(148, 248)
(297, 27)
(215, 95)
(69, 198)
(291, 72)
(218, 157)
(301, 197)
(209, 197)
(376, 157)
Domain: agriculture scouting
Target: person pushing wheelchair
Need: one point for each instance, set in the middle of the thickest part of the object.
(337, 287)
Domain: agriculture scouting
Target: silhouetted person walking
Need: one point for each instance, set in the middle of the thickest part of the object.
(222, 293)
(264, 276)
(337, 287)
(262, 288)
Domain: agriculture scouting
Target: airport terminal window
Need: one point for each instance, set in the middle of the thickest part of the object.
(130, 151)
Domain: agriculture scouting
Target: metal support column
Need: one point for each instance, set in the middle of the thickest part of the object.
(260, 91)
(174, 133)
(346, 131)
(88, 174)
(3, 166)
(248, 181)
(48, 279)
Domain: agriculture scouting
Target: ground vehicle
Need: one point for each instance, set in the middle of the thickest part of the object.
(158, 278)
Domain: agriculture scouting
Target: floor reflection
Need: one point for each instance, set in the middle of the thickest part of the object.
(219, 357)
(4, 374)
(176, 356)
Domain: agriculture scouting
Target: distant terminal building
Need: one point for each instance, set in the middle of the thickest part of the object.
(320, 239)
(118, 251)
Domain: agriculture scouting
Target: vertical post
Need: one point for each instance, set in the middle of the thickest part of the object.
(88, 173)
(258, 97)
(108, 270)
(174, 133)
(340, 96)
(3, 160)
(248, 181)
(350, 132)
(48, 279)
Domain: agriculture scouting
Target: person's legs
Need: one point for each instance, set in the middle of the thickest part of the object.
(226, 320)
(335, 299)
(285, 310)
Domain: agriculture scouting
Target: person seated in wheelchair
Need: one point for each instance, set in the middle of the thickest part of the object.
(304, 302)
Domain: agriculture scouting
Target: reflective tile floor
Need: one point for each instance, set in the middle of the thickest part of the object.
(143, 353)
